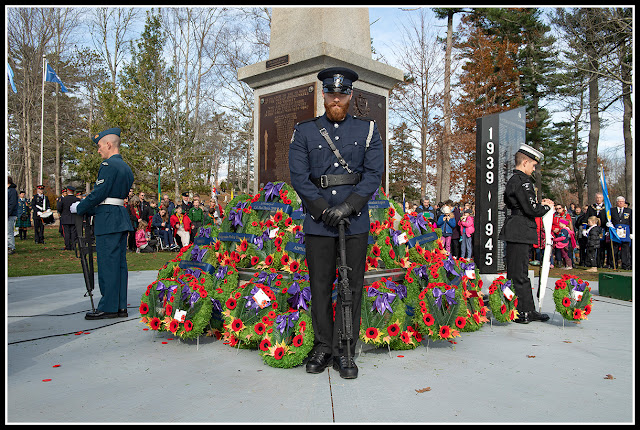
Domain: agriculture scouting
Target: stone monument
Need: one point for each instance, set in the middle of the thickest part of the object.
(286, 89)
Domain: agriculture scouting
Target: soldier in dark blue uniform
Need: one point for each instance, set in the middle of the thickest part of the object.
(66, 218)
(335, 184)
(520, 230)
(111, 225)
(39, 204)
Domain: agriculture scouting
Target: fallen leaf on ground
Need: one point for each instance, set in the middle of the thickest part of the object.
(609, 376)
(531, 356)
(422, 390)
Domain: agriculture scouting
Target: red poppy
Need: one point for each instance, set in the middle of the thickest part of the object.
(297, 340)
(284, 260)
(168, 309)
(303, 326)
(144, 308)
(288, 221)
(460, 322)
(566, 301)
(154, 323)
(173, 325)
(236, 325)
(203, 293)
(255, 260)
(392, 254)
(445, 331)
(375, 250)
(271, 314)
(503, 309)
(231, 303)
(259, 328)
(393, 330)
(371, 332)
(268, 260)
(428, 320)
(217, 245)
(587, 309)
(294, 266)
(577, 314)
(265, 344)
(405, 337)
(188, 325)
(278, 216)
(244, 245)
(278, 353)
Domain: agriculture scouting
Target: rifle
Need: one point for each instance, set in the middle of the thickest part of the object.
(84, 247)
(345, 333)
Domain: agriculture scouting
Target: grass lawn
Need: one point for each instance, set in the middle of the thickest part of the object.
(31, 259)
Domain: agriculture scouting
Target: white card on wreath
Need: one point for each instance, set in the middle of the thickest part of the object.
(471, 274)
(577, 295)
(261, 299)
(402, 239)
(180, 315)
(273, 233)
(508, 293)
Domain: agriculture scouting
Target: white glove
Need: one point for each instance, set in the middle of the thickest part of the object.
(585, 233)
(630, 235)
(39, 214)
(609, 224)
(74, 208)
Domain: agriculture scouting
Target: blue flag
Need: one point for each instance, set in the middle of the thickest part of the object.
(10, 73)
(607, 205)
(52, 77)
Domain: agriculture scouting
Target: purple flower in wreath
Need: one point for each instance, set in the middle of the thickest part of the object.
(272, 190)
(197, 254)
(300, 297)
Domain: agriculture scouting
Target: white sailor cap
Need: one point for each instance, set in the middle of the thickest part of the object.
(530, 152)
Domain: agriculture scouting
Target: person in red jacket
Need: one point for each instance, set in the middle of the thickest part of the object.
(181, 225)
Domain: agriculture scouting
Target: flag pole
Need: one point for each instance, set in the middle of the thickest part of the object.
(44, 66)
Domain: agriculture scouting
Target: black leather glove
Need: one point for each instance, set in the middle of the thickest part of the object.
(333, 215)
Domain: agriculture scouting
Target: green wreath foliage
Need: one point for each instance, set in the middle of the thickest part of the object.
(382, 323)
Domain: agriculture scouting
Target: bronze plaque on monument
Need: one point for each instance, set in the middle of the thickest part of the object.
(279, 113)
(374, 106)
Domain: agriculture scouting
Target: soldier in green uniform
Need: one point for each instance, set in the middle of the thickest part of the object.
(111, 225)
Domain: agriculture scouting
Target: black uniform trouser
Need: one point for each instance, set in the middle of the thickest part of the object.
(623, 252)
(38, 229)
(518, 271)
(321, 253)
(70, 234)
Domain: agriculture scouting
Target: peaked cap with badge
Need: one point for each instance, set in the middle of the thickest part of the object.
(337, 80)
(113, 130)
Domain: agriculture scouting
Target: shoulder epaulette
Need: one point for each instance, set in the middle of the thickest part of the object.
(104, 163)
(364, 118)
(308, 120)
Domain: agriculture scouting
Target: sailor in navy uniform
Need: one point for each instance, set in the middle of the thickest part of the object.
(334, 185)
(520, 231)
(621, 219)
(111, 225)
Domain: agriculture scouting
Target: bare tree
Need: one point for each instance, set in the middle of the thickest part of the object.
(415, 100)
(29, 31)
(111, 30)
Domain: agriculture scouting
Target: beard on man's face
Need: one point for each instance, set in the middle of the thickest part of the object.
(336, 112)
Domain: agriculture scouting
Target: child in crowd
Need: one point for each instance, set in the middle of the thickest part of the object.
(446, 222)
(142, 242)
(592, 233)
(561, 243)
(467, 228)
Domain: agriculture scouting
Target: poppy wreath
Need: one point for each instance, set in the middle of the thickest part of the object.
(180, 305)
(442, 311)
(476, 309)
(383, 313)
(572, 297)
(247, 316)
(503, 301)
(288, 341)
(381, 254)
